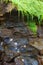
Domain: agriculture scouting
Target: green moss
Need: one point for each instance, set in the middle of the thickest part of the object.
(32, 26)
(32, 7)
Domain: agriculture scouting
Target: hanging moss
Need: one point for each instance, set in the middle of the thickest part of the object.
(32, 7)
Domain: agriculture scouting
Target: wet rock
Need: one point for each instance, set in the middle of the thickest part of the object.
(18, 46)
(21, 60)
(22, 30)
(28, 49)
(16, 41)
(14, 46)
(8, 40)
(10, 53)
(19, 24)
(21, 41)
(9, 24)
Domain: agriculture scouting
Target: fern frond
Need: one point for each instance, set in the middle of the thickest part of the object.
(33, 7)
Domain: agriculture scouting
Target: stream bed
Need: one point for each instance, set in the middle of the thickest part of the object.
(18, 45)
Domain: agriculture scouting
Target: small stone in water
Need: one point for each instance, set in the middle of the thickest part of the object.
(25, 46)
(11, 39)
(23, 60)
(16, 43)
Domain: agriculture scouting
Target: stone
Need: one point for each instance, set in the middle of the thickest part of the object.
(38, 44)
(25, 60)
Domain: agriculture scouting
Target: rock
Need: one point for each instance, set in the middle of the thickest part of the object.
(5, 63)
(5, 32)
(25, 60)
(9, 24)
(38, 43)
(18, 45)
(5, 8)
(40, 32)
(40, 59)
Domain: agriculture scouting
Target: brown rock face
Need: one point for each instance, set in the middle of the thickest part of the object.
(2, 9)
(40, 59)
(38, 43)
(5, 8)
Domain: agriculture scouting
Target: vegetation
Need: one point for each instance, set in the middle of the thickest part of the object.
(32, 7)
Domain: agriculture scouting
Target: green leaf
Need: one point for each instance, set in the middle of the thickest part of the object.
(33, 7)
(32, 26)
